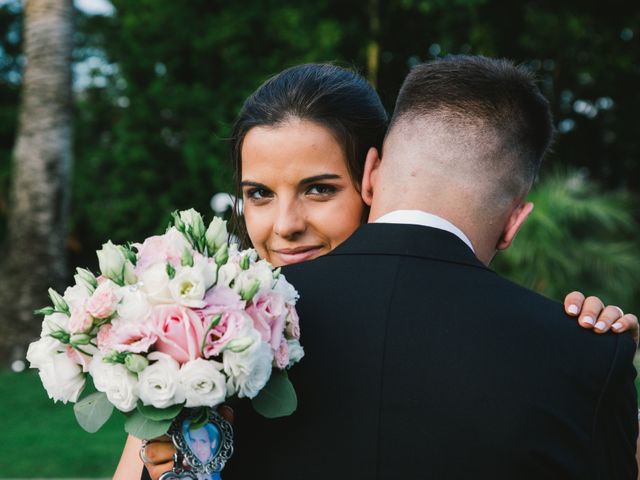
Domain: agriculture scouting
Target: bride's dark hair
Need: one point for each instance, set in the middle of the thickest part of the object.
(338, 99)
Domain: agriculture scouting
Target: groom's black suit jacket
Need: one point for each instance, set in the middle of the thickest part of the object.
(423, 363)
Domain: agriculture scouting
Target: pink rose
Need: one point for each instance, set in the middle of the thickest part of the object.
(134, 337)
(80, 320)
(292, 323)
(167, 248)
(103, 301)
(268, 312)
(180, 332)
(281, 355)
(232, 324)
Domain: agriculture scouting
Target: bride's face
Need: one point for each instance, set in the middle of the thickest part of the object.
(299, 200)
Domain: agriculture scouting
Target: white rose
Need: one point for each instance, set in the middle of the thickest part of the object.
(250, 369)
(112, 261)
(120, 385)
(296, 352)
(188, 288)
(216, 234)
(54, 323)
(155, 283)
(228, 273)
(203, 383)
(159, 384)
(133, 306)
(288, 292)
(61, 377)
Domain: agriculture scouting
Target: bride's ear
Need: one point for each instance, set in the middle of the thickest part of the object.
(370, 175)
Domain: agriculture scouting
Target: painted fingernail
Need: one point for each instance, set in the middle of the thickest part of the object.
(616, 326)
(600, 326)
(588, 320)
(573, 309)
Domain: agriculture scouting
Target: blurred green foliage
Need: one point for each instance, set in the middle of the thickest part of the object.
(159, 85)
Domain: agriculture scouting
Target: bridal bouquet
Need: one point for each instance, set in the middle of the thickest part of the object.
(181, 320)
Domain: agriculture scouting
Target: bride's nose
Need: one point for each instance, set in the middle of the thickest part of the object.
(290, 219)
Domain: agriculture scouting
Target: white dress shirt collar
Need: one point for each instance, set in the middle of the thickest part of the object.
(418, 217)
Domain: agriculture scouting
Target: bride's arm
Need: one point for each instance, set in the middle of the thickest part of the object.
(593, 314)
(130, 465)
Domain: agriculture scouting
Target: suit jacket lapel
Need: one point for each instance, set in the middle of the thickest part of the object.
(408, 240)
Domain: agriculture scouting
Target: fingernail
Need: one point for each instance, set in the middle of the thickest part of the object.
(588, 320)
(600, 326)
(616, 326)
(573, 309)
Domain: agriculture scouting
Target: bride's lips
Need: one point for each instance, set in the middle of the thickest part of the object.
(298, 254)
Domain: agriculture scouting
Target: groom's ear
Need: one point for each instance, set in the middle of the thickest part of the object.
(370, 175)
(514, 222)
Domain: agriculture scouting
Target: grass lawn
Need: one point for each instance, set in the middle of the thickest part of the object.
(41, 439)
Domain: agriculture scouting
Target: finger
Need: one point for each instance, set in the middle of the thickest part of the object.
(591, 309)
(606, 318)
(158, 452)
(227, 413)
(573, 303)
(627, 323)
(155, 472)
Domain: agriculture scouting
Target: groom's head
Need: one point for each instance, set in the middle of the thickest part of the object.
(465, 142)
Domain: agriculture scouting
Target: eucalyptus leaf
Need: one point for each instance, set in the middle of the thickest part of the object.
(277, 398)
(157, 414)
(142, 427)
(93, 411)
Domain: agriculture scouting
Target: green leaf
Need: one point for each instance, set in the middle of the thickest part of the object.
(158, 414)
(277, 398)
(142, 427)
(93, 411)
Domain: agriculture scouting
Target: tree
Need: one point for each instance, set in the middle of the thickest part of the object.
(37, 216)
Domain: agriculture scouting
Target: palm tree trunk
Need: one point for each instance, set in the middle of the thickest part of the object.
(34, 257)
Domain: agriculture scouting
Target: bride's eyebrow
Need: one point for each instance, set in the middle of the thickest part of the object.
(248, 183)
(319, 178)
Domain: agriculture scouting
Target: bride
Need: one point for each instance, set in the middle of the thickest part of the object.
(299, 146)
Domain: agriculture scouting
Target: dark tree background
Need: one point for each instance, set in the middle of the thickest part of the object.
(159, 84)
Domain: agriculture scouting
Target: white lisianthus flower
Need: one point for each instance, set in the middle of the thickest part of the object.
(54, 323)
(133, 306)
(130, 276)
(77, 295)
(155, 283)
(296, 352)
(259, 273)
(250, 369)
(85, 278)
(203, 383)
(188, 287)
(229, 272)
(216, 234)
(61, 377)
(193, 222)
(112, 262)
(159, 383)
(119, 384)
(288, 292)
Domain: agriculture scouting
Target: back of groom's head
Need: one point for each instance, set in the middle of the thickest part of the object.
(466, 140)
(492, 103)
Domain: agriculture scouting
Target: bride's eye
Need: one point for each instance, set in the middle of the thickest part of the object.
(257, 193)
(322, 189)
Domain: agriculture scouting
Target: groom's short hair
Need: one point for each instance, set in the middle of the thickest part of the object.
(463, 92)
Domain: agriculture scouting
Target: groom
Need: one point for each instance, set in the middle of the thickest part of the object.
(420, 361)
